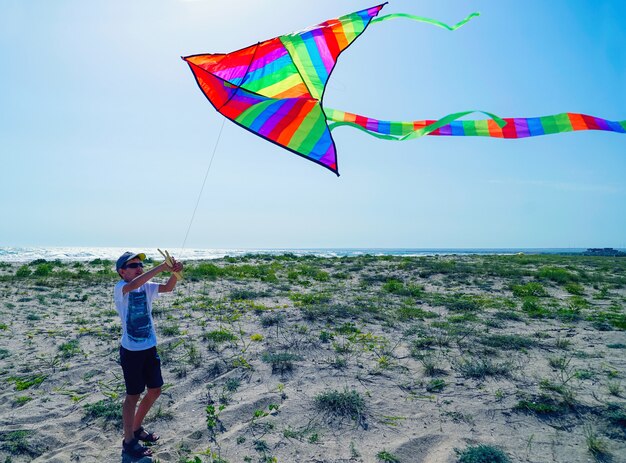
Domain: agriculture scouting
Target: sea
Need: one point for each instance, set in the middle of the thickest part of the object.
(29, 254)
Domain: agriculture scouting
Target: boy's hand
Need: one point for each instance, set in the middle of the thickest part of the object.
(177, 267)
(174, 267)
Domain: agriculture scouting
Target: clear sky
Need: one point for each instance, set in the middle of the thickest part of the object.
(105, 137)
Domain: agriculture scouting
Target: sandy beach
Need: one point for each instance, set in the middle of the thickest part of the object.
(308, 359)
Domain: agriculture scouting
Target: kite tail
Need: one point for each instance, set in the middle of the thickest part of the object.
(422, 19)
(518, 127)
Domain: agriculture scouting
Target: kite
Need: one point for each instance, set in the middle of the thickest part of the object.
(275, 89)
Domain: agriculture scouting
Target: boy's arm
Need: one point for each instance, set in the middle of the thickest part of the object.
(144, 278)
(171, 283)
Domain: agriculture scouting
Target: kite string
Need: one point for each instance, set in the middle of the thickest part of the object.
(193, 215)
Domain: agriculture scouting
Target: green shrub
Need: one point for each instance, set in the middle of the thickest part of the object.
(480, 368)
(310, 272)
(397, 287)
(107, 409)
(387, 457)
(342, 404)
(575, 288)
(436, 385)
(245, 294)
(597, 445)
(507, 341)
(529, 289)
(409, 312)
(463, 304)
(204, 270)
(616, 415)
(325, 336)
(310, 298)
(534, 310)
(542, 405)
(556, 274)
(282, 362)
(170, 330)
(17, 443)
(482, 454)
(26, 382)
(23, 272)
(21, 400)
(272, 319)
(347, 329)
(69, 349)
(43, 270)
(219, 336)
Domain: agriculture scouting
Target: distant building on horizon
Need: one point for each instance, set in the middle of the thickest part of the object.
(605, 252)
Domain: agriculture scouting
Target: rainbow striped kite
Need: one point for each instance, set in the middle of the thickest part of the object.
(275, 90)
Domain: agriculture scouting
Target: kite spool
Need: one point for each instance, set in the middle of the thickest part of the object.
(170, 263)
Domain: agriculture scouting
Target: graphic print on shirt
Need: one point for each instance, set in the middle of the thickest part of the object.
(138, 324)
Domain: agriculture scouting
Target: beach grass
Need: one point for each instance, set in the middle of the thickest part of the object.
(301, 358)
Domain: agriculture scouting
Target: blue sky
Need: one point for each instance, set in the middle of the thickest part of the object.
(105, 137)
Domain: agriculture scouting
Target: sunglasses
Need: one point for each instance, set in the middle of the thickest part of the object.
(134, 265)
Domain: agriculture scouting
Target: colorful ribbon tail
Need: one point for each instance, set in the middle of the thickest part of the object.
(495, 126)
(433, 22)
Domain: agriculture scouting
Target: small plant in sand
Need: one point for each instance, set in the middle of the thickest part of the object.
(507, 341)
(480, 368)
(436, 385)
(540, 405)
(69, 349)
(26, 382)
(556, 274)
(17, 443)
(213, 422)
(596, 445)
(220, 336)
(575, 288)
(342, 404)
(617, 345)
(387, 457)
(108, 409)
(431, 362)
(482, 454)
(282, 362)
(560, 363)
(273, 319)
(615, 414)
(193, 355)
(23, 272)
(170, 330)
(412, 312)
(228, 389)
(615, 388)
(394, 286)
(529, 289)
(562, 343)
(326, 336)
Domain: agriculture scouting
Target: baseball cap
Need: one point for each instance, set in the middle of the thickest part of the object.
(126, 257)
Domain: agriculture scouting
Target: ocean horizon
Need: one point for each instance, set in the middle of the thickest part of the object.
(28, 254)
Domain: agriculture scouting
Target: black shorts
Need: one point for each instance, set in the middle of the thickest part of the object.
(141, 368)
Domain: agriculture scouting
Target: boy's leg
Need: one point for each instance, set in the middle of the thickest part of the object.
(128, 416)
(144, 406)
(154, 381)
(132, 365)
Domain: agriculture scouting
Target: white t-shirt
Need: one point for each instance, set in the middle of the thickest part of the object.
(135, 310)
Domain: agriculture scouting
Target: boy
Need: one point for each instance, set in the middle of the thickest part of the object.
(138, 356)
